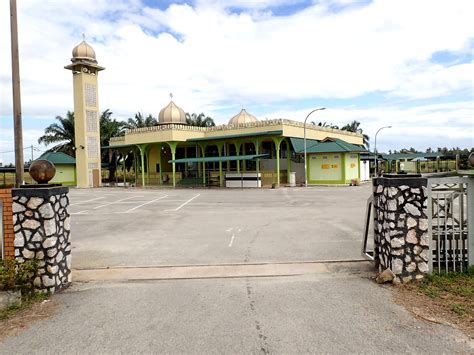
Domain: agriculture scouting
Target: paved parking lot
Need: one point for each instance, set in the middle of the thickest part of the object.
(134, 227)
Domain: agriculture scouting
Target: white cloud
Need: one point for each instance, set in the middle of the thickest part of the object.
(209, 57)
(433, 125)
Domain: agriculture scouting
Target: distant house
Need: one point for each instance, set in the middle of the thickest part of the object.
(65, 167)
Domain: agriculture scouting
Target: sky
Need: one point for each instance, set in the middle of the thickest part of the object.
(404, 63)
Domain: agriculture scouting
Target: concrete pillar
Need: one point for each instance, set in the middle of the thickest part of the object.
(203, 149)
(277, 142)
(142, 162)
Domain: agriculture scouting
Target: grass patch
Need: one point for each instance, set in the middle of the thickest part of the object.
(26, 302)
(456, 284)
(447, 298)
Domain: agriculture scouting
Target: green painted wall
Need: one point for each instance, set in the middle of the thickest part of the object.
(325, 168)
(332, 168)
(65, 174)
(352, 166)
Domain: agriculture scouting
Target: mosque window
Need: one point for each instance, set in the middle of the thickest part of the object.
(91, 95)
(92, 148)
(91, 118)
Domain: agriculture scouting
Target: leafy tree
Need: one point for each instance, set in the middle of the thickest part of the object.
(110, 127)
(354, 126)
(200, 120)
(61, 133)
(140, 121)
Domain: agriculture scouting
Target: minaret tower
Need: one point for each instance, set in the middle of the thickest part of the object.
(86, 115)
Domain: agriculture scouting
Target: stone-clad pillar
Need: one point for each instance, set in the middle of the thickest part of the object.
(42, 232)
(401, 226)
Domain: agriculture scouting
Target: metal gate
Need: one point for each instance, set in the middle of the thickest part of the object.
(450, 223)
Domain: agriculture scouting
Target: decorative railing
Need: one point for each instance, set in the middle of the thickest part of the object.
(265, 123)
(117, 139)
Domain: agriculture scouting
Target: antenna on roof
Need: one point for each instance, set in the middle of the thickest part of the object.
(83, 37)
(171, 96)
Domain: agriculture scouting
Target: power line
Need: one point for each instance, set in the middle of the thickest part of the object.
(24, 148)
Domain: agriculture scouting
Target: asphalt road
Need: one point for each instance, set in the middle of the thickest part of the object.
(126, 227)
(339, 311)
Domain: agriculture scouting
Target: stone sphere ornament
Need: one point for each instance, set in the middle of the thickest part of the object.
(42, 171)
(471, 159)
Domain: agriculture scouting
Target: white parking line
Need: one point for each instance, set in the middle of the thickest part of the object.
(232, 239)
(78, 203)
(184, 204)
(144, 204)
(110, 203)
(233, 235)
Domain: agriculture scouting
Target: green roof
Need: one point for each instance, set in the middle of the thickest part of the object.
(216, 159)
(298, 144)
(397, 156)
(329, 145)
(58, 158)
(242, 135)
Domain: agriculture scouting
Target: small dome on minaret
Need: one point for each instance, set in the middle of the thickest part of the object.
(83, 51)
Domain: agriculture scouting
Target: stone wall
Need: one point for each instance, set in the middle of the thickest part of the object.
(41, 223)
(7, 222)
(401, 240)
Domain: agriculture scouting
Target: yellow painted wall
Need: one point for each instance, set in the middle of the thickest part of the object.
(352, 169)
(183, 133)
(80, 79)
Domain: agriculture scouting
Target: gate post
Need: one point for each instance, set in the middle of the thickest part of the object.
(401, 240)
(41, 222)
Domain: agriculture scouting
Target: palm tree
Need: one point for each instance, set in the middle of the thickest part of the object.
(139, 121)
(200, 120)
(110, 127)
(354, 126)
(62, 133)
(325, 124)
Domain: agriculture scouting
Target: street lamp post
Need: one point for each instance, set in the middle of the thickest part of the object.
(375, 149)
(305, 172)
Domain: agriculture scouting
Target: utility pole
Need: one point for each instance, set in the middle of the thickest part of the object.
(31, 153)
(17, 125)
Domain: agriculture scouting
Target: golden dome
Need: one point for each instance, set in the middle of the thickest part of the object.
(243, 117)
(83, 51)
(172, 114)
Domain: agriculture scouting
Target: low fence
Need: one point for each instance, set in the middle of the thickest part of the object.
(422, 167)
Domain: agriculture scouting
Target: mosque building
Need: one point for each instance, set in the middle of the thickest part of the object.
(246, 152)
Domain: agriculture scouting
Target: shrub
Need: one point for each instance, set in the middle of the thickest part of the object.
(16, 276)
